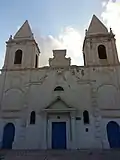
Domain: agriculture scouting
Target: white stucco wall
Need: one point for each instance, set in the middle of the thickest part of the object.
(94, 87)
(37, 92)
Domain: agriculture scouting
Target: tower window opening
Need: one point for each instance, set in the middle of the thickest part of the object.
(18, 57)
(102, 52)
(36, 61)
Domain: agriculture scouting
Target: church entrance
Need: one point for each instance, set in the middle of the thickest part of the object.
(113, 132)
(58, 135)
(8, 136)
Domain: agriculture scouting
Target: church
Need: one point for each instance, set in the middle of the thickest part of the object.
(60, 106)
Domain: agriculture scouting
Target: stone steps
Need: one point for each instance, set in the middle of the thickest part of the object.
(60, 155)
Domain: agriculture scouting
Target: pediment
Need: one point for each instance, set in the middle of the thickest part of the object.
(58, 105)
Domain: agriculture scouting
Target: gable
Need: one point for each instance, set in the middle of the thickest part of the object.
(58, 105)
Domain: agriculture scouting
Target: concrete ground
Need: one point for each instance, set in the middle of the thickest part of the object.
(60, 155)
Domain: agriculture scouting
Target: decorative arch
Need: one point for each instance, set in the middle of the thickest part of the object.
(18, 57)
(32, 117)
(106, 84)
(8, 136)
(108, 96)
(59, 88)
(12, 99)
(86, 117)
(14, 88)
(102, 52)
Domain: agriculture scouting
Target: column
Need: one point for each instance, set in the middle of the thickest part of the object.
(73, 130)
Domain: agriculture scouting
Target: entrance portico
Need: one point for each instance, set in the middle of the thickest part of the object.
(59, 125)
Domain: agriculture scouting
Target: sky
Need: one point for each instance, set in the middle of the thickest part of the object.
(57, 24)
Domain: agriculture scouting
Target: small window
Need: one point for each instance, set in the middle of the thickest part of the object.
(18, 57)
(86, 117)
(59, 88)
(102, 52)
(32, 117)
(36, 61)
(86, 129)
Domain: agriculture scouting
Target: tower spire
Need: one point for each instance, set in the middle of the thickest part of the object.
(96, 27)
(24, 32)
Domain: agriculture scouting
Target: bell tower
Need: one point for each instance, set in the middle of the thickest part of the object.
(99, 46)
(22, 50)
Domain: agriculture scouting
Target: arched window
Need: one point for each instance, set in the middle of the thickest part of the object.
(86, 117)
(32, 117)
(36, 61)
(58, 88)
(18, 57)
(102, 52)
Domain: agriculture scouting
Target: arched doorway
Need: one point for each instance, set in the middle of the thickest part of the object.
(113, 133)
(8, 136)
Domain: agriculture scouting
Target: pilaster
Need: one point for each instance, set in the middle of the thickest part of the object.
(97, 118)
(73, 130)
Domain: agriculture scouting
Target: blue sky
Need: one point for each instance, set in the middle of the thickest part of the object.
(47, 17)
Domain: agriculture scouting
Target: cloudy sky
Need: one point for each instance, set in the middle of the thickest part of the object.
(57, 24)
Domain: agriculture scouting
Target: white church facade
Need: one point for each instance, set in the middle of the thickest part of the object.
(60, 106)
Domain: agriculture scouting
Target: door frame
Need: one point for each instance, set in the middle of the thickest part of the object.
(49, 134)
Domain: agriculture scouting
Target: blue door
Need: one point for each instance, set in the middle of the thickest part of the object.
(59, 135)
(113, 132)
(8, 136)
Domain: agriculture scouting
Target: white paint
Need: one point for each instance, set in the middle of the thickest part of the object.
(95, 88)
